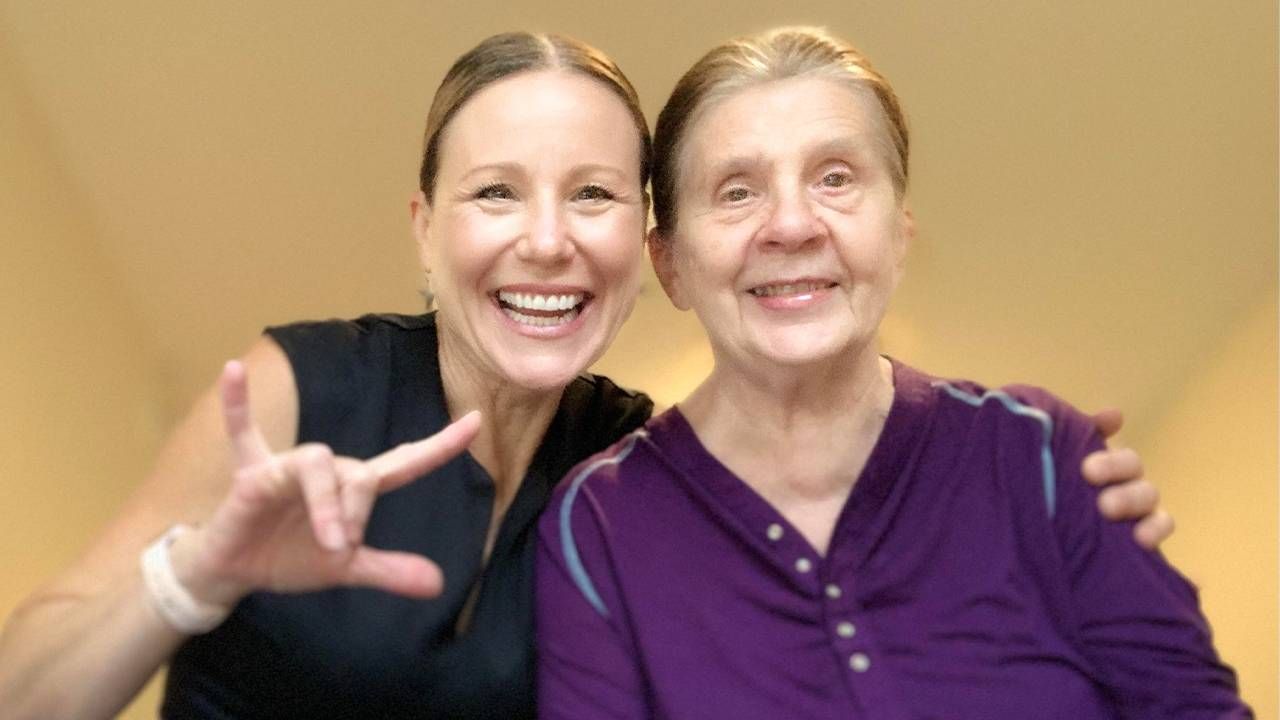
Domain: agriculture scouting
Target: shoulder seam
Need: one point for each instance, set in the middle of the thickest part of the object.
(1048, 474)
(577, 571)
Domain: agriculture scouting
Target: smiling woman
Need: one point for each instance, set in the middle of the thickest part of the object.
(820, 531)
(533, 174)
(777, 176)
(285, 591)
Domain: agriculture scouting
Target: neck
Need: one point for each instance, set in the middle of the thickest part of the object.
(514, 418)
(794, 432)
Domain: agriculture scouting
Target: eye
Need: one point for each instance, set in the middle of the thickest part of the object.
(593, 193)
(494, 191)
(735, 194)
(837, 179)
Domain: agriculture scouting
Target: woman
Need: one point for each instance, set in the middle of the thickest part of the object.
(531, 221)
(819, 531)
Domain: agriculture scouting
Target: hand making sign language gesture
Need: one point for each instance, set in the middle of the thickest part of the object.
(294, 521)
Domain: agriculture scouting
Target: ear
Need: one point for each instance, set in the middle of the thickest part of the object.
(419, 213)
(906, 236)
(662, 255)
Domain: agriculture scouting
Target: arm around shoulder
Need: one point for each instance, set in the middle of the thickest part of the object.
(1135, 617)
(87, 641)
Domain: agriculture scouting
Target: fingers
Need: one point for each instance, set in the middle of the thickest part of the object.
(1116, 465)
(1131, 501)
(250, 446)
(1153, 529)
(1109, 421)
(358, 488)
(403, 464)
(396, 572)
(313, 467)
(338, 492)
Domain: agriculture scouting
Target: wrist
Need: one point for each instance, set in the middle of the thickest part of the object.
(171, 599)
(193, 571)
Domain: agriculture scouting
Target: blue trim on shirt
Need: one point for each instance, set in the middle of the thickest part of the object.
(577, 571)
(1017, 408)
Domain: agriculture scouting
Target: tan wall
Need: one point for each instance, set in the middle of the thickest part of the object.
(1214, 455)
(77, 391)
(82, 381)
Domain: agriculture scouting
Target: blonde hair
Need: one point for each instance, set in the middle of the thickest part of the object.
(502, 56)
(778, 54)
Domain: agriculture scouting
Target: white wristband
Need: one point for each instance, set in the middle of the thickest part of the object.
(171, 600)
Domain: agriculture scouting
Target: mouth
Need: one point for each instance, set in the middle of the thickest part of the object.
(542, 309)
(789, 289)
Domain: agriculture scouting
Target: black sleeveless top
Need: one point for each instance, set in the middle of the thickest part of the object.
(366, 386)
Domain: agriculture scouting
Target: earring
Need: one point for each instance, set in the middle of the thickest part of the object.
(428, 297)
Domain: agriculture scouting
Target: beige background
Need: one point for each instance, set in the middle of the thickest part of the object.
(1095, 183)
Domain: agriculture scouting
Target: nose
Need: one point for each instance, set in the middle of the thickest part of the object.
(791, 222)
(546, 239)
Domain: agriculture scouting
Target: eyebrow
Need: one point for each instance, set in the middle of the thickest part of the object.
(593, 168)
(730, 166)
(860, 146)
(518, 169)
(490, 168)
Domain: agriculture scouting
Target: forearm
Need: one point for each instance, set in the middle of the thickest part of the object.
(81, 654)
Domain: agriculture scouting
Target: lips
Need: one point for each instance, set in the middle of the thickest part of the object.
(785, 289)
(541, 309)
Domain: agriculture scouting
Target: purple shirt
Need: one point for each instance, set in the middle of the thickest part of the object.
(969, 576)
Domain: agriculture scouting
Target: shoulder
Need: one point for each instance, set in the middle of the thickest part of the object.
(1029, 429)
(340, 365)
(599, 412)
(591, 509)
(336, 338)
(628, 479)
(1012, 405)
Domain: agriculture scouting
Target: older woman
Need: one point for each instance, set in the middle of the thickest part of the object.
(295, 595)
(820, 531)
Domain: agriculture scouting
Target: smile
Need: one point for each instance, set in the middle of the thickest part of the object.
(785, 289)
(538, 310)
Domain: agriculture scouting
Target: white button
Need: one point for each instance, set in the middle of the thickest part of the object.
(833, 592)
(845, 629)
(774, 532)
(859, 662)
(803, 565)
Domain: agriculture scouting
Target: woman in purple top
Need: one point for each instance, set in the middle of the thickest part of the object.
(819, 531)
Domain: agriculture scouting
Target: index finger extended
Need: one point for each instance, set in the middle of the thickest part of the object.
(400, 465)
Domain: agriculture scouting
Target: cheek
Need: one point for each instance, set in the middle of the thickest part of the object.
(471, 243)
(613, 243)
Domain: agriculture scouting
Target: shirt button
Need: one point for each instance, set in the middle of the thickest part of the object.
(859, 662)
(774, 532)
(833, 592)
(845, 629)
(803, 565)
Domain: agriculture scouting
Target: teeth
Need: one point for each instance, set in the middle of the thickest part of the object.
(531, 301)
(540, 320)
(788, 289)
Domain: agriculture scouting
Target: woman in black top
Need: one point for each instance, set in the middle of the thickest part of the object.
(530, 221)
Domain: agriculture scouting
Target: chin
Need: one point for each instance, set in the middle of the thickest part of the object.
(803, 348)
(550, 371)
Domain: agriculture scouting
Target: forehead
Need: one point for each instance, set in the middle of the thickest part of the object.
(543, 115)
(784, 119)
